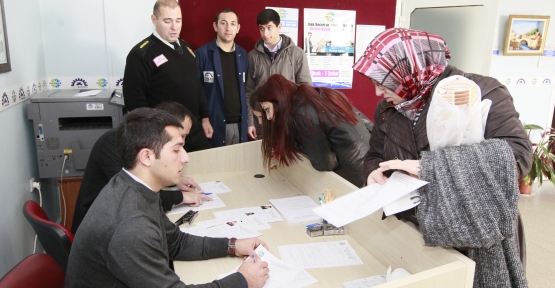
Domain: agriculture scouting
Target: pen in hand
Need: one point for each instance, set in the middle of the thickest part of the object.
(253, 258)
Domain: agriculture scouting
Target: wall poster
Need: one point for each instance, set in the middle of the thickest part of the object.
(289, 20)
(329, 41)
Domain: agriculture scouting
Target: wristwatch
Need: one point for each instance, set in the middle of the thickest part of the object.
(231, 247)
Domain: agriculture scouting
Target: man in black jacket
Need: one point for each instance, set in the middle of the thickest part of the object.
(162, 68)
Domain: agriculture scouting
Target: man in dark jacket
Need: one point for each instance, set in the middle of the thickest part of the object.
(162, 68)
(222, 67)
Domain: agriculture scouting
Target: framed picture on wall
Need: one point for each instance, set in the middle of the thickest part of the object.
(525, 35)
(5, 65)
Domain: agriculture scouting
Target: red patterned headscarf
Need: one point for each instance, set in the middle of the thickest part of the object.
(407, 62)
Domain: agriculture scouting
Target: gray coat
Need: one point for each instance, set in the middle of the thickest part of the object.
(291, 62)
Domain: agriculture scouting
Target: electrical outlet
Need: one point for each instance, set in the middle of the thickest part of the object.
(31, 184)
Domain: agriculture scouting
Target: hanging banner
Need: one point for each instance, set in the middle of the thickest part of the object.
(289, 19)
(329, 41)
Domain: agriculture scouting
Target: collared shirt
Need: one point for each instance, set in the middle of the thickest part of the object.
(166, 42)
(277, 47)
(136, 178)
(232, 48)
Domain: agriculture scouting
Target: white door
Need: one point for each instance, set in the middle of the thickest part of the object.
(468, 27)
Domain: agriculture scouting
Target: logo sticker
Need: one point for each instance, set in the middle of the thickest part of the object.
(79, 83)
(21, 93)
(208, 76)
(95, 106)
(5, 100)
(55, 83)
(35, 88)
(160, 60)
(119, 82)
(102, 83)
(14, 97)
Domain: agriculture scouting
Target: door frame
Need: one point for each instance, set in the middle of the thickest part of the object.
(404, 9)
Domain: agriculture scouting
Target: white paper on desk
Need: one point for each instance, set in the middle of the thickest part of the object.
(281, 274)
(252, 223)
(320, 255)
(215, 187)
(296, 209)
(183, 208)
(368, 200)
(87, 93)
(402, 204)
(377, 280)
(265, 213)
(227, 230)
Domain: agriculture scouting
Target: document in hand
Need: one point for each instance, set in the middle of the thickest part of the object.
(368, 200)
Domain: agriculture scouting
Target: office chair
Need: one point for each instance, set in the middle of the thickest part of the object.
(37, 270)
(55, 238)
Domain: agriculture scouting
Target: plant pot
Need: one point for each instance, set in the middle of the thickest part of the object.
(524, 188)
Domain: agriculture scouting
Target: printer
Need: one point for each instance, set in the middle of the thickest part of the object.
(67, 123)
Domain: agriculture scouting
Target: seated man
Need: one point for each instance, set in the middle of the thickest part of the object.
(126, 240)
(104, 162)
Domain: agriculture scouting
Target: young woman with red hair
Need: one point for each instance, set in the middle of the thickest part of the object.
(319, 122)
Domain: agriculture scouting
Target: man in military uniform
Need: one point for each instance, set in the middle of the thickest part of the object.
(163, 68)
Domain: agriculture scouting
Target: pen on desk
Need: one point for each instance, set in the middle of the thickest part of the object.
(207, 193)
(320, 200)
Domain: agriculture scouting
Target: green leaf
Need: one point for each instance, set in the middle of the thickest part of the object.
(532, 127)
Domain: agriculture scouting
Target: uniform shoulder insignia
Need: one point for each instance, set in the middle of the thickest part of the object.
(143, 46)
(188, 48)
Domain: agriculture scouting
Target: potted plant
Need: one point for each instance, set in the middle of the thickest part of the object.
(544, 160)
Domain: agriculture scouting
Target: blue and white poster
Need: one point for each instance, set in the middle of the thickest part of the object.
(329, 41)
(289, 20)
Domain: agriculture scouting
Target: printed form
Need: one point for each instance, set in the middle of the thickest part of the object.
(296, 209)
(183, 208)
(368, 200)
(320, 255)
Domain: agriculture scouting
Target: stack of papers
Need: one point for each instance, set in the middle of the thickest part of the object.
(183, 208)
(281, 274)
(215, 187)
(368, 200)
(296, 209)
(239, 223)
(377, 280)
(320, 255)
(266, 213)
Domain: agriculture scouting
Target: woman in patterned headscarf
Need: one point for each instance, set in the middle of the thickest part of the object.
(405, 65)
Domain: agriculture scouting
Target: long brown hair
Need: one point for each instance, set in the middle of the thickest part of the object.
(280, 132)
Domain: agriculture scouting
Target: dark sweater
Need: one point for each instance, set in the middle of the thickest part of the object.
(231, 90)
(104, 162)
(126, 240)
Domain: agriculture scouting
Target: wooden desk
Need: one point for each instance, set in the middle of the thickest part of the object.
(378, 243)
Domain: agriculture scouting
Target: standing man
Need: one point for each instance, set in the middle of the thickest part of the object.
(126, 240)
(308, 43)
(222, 67)
(162, 68)
(274, 53)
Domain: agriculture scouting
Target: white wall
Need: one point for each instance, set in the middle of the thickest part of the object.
(17, 143)
(535, 103)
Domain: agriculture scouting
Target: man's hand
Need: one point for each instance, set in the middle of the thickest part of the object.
(208, 131)
(251, 131)
(187, 184)
(255, 271)
(245, 247)
(194, 199)
(410, 166)
(376, 177)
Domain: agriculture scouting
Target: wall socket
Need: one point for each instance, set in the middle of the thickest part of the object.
(31, 184)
